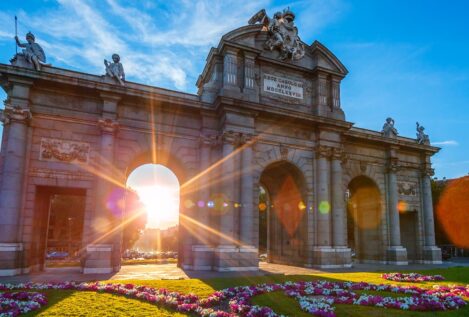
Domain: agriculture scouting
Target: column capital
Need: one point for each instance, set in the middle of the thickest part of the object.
(338, 153)
(324, 151)
(15, 114)
(108, 126)
(392, 165)
(237, 139)
(428, 171)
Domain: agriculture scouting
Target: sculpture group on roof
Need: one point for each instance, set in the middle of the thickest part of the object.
(283, 36)
(282, 32)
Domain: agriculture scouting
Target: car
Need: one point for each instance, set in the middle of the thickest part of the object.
(57, 255)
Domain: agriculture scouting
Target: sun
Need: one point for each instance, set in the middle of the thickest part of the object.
(161, 204)
(158, 189)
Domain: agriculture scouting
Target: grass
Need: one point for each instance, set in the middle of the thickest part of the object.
(75, 303)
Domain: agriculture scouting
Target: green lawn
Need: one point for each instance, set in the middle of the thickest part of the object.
(76, 303)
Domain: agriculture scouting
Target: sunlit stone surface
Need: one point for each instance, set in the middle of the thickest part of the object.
(237, 134)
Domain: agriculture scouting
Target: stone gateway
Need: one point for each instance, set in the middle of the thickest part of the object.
(266, 160)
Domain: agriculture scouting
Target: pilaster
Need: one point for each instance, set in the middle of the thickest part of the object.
(16, 118)
(103, 254)
(396, 253)
(343, 254)
(431, 253)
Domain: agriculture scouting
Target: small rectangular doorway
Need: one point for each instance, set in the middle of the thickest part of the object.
(60, 218)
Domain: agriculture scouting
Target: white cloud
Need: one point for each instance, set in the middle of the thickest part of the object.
(161, 44)
(446, 143)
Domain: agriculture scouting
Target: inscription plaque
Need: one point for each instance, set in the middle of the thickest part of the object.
(283, 86)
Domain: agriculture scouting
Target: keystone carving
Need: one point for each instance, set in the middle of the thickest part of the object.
(283, 152)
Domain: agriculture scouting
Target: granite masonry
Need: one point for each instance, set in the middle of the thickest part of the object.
(267, 114)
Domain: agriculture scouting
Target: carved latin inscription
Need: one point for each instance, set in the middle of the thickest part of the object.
(64, 151)
(283, 86)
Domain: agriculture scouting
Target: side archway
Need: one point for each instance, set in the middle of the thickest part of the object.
(284, 209)
(364, 219)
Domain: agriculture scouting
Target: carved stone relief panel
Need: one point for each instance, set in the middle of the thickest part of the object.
(407, 189)
(64, 151)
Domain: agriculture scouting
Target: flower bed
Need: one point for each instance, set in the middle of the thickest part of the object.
(316, 297)
(411, 277)
(16, 303)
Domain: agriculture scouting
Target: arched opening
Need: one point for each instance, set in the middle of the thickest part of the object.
(282, 214)
(151, 214)
(364, 219)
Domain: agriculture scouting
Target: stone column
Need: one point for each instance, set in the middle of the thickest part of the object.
(16, 120)
(203, 251)
(396, 254)
(339, 215)
(227, 251)
(249, 252)
(103, 254)
(431, 253)
(323, 253)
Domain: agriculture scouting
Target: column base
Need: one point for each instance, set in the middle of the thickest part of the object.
(98, 259)
(230, 258)
(9, 255)
(331, 258)
(432, 255)
(397, 255)
(202, 257)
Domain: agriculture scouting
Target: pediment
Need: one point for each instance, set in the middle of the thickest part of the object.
(324, 58)
(316, 55)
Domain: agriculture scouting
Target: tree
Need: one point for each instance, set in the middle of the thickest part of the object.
(135, 219)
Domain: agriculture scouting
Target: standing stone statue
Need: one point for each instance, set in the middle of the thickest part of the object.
(388, 128)
(283, 34)
(115, 69)
(422, 138)
(33, 52)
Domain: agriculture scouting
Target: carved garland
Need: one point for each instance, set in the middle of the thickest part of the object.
(65, 151)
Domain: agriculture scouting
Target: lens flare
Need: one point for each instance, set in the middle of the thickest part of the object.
(402, 206)
(324, 207)
(452, 211)
(301, 206)
(262, 206)
(188, 204)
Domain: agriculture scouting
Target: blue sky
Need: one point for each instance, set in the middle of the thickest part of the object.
(407, 59)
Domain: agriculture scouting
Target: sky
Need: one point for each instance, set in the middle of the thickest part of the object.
(406, 59)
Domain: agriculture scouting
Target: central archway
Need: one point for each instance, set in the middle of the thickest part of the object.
(282, 212)
(364, 220)
(152, 212)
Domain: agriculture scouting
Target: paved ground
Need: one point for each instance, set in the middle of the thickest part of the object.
(170, 271)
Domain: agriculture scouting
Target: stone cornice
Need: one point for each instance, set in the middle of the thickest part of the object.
(281, 113)
(370, 136)
(88, 81)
